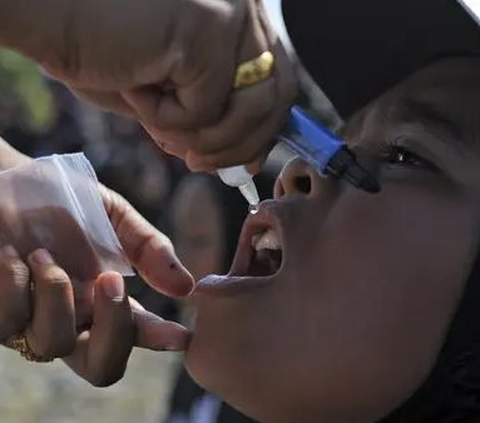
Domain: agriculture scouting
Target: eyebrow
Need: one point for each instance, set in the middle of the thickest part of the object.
(430, 116)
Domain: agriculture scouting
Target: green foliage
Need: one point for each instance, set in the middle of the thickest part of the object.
(22, 84)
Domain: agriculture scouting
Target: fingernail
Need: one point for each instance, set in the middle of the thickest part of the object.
(41, 256)
(8, 252)
(113, 287)
(179, 345)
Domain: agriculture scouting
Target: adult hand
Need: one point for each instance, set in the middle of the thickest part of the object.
(37, 299)
(93, 325)
(169, 63)
(245, 131)
(150, 252)
(181, 52)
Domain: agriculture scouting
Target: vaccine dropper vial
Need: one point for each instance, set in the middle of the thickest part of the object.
(239, 177)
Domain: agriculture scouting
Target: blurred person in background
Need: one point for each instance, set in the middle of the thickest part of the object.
(207, 217)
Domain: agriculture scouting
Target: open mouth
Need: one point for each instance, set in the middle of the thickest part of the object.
(260, 248)
(266, 255)
(259, 258)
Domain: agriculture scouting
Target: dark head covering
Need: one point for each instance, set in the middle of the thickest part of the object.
(356, 50)
(451, 394)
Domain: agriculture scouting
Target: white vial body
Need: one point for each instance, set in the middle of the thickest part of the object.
(238, 177)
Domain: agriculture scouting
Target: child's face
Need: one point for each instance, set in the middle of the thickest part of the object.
(353, 321)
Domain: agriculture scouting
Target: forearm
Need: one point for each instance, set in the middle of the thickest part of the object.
(9, 157)
(36, 28)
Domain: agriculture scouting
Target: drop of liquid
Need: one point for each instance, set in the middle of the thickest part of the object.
(253, 209)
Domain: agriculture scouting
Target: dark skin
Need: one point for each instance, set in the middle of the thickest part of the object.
(352, 323)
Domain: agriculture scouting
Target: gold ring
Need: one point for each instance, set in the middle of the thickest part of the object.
(19, 343)
(254, 71)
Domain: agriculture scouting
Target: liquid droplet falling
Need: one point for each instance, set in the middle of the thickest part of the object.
(253, 209)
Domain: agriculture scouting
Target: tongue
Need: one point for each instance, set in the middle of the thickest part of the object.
(265, 263)
(268, 241)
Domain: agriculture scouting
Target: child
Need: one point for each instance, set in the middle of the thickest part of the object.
(347, 307)
(339, 305)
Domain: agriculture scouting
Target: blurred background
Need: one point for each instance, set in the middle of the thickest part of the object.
(39, 117)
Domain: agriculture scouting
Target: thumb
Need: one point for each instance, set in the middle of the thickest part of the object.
(154, 333)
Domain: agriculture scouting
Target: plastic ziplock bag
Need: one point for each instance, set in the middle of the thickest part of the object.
(54, 203)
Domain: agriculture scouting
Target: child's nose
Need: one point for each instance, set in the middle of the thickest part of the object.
(298, 177)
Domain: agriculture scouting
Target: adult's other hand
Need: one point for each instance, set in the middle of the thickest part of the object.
(38, 305)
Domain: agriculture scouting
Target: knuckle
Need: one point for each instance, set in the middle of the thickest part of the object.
(55, 276)
(14, 270)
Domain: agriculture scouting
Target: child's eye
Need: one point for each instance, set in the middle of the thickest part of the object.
(400, 156)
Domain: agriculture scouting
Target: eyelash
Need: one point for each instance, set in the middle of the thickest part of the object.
(398, 155)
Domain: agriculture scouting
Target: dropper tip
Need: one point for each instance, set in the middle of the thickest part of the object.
(249, 191)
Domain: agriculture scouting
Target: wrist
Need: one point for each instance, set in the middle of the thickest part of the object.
(37, 29)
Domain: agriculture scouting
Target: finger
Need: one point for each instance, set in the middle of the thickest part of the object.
(150, 251)
(102, 354)
(14, 294)
(174, 150)
(183, 139)
(191, 100)
(155, 333)
(52, 331)
(207, 96)
(248, 109)
(230, 158)
(201, 80)
(258, 144)
(109, 101)
(113, 332)
(185, 108)
(175, 143)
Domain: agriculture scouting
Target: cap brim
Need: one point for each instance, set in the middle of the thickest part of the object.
(356, 50)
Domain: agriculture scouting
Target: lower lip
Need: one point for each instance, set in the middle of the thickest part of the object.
(226, 285)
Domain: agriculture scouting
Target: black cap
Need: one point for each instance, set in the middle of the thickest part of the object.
(358, 49)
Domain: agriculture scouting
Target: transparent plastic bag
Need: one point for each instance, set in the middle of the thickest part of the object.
(54, 203)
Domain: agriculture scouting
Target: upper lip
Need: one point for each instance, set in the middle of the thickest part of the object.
(268, 217)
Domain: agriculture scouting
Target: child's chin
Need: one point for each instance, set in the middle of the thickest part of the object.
(204, 365)
(215, 356)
